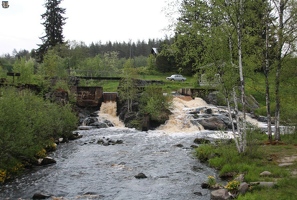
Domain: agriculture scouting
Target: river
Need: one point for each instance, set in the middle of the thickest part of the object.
(88, 170)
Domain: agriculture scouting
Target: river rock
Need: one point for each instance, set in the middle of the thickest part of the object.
(205, 185)
(85, 127)
(100, 125)
(265, 173)
(226, 120)
(198, 193)
(264, 184)
(239, 178)
(74, 136)
(94, 114)
(220, 194)
(243, 188)
(212, 123)
(140, 176)
(107, 141)
(90, 120)
(46, 161)
(40, 196)
(179, 145)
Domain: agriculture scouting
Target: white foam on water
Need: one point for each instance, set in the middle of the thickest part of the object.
(179, 121)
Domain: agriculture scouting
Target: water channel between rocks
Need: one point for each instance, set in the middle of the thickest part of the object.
(88, 170)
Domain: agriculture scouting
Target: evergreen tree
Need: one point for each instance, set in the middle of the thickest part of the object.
(53, 24)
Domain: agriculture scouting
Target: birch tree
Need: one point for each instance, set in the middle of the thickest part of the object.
(232, 13)
(127, 90)
(267, 64)
(286, 30)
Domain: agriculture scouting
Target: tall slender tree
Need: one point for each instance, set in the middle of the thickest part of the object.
(286, 31)
(53, 24)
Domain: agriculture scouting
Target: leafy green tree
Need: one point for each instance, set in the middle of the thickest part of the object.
(214, 37)
(154, 103)
(140, 61)
(7, 63)
(190, 34)
(3, 72)
(53, 65)
(265, 57)
(75, 53)
(110, 62)
(286, 29)
(53, 24)
(25, 68)
(127, 89)
(92, 66)
(166, 59)
(151, 62)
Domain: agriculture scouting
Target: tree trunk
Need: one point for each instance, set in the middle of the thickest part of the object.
(242, 85)
(267, 88)
(239, 139)
(278, 69)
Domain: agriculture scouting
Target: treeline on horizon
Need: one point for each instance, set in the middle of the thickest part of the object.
(79, 56)
(125, 49)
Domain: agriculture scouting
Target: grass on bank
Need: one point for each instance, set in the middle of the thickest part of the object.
(112, 85)
(260, 156)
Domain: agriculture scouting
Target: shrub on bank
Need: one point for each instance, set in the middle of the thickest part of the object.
(29, 124)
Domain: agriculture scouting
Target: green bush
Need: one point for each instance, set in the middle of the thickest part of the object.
(204, 151)
(28, 124)
(154, 103)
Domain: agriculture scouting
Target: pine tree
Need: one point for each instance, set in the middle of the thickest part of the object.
(53, 24)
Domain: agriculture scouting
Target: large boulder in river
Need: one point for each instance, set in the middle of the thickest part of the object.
(90, 120)
(212, 123)
(100, 125)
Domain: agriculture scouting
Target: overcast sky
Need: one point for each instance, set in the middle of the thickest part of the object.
(87, 21)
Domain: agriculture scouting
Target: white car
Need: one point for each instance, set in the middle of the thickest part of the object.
(176, 77)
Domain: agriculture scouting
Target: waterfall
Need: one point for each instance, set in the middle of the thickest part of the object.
(180, 119)
(108, 111)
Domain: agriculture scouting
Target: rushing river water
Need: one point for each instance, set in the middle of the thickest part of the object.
(88, 170)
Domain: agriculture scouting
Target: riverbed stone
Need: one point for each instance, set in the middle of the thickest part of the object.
(212, 123)
(265, 173)
(75, 136)
(40, 196)
(220, 194)
(243, 187)
(239, 178)
(107, 141)
(46, 161)
(140, 176)
(205, 185)
(264, 184)
(100, 125)
(198, 193)
(85, 127)
(90, 120)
